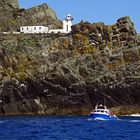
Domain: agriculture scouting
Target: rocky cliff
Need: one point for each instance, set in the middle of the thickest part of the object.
(12, 17)
(69, 74)
(10, 3)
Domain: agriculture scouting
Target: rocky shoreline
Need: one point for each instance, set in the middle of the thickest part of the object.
(119, 111)
(62, 99)
(126, 110)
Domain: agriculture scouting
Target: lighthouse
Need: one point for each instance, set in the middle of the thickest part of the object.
(67, 23)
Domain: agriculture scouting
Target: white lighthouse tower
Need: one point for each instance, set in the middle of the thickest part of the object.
(67, 23)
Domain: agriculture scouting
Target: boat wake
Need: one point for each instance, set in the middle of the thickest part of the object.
(134, 121)
(134, 115)
(90, 119)
(2, 122)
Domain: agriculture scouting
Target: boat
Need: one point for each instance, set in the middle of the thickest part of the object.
(102, 113)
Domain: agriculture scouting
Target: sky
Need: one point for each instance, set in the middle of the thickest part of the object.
(107, 11)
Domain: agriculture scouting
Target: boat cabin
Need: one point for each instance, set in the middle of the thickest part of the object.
(101, 109)
(100, 106)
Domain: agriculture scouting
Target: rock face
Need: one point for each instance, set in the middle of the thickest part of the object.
(40, 15)
(6, 14)
(11, 17)
(12, 3)
(69, 74)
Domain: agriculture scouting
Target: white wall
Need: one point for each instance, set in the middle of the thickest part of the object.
(33, 29)
(56, 31)
(67, 26)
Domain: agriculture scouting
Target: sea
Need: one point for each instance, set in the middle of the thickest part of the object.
(68, 128)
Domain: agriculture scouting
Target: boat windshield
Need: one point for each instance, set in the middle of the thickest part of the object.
(102, 111)
(101, 107)
(99, 111)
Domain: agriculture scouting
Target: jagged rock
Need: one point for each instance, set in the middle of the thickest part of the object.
(138, 39)
(11, 17)
(12, 3)
(40, 15)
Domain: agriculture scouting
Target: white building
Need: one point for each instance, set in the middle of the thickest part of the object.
(55, 31)
(67, 23)
(33, 29)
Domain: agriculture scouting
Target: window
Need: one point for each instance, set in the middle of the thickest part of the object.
(27, 28)
(22, 28)
(34, 28)
(39, 28)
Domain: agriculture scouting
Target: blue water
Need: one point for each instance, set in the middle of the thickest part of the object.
(68, 128)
